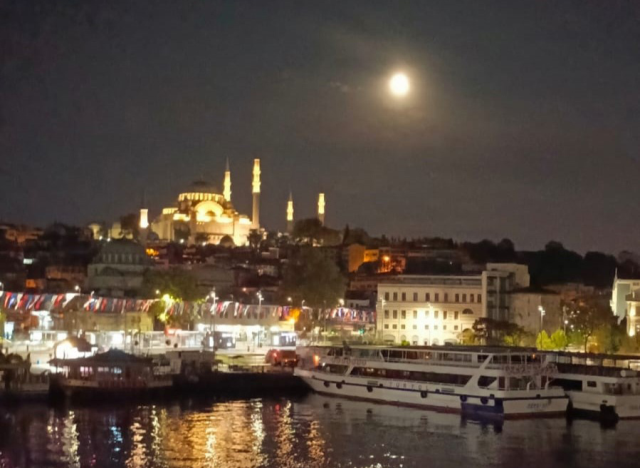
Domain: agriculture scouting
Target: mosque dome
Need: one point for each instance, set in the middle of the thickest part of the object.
(122, 251)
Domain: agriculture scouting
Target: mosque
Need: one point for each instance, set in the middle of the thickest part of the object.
(202, 214)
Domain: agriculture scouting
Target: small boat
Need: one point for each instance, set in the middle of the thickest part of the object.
(603, 386)
(483, 382)
(18, 383)
(112, 373)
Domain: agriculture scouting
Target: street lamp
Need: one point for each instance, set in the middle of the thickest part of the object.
(1, 286)
(542, 314)
(212, 323)
(76, 288)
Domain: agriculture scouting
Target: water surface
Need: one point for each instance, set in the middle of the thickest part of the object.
(310, 432)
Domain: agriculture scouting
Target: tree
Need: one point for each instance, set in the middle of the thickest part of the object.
(178, 284)
(557, 340)
(129, 225)
(586, 315)
(254, 238)
(311, 231)
(498, 332)
(312, 277)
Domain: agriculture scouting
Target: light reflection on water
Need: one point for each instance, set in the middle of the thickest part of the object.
(314, 432)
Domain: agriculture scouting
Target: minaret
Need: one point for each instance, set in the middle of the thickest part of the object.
(144, 222)
(227, 183)
(321, 208)
(256, 194)
(290, 214)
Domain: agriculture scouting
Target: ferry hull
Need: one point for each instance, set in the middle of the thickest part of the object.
(416, 395)
(609, 407)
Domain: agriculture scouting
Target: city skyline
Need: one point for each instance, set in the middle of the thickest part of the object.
(521, 121)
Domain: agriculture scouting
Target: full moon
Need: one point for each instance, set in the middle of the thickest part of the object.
(399, 84)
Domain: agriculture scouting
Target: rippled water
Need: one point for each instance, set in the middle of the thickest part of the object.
(311, 432)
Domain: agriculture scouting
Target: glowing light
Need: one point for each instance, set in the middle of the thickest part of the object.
(399, 84)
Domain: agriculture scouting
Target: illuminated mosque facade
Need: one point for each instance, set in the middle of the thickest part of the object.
(203, 215)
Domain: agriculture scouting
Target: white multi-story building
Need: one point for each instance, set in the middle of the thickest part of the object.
(432, 310)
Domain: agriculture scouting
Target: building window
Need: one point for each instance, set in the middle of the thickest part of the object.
(404, 296)
(415, 327)
(427, 297)
(415, 314)
(455, 327)
(457, 297)
(435, 327)
(386, 326)
(403, 314)
(444, 315)
(386, 314)
(395, 314)
(402, 327)
(446, 297)
(386, 296)
(464, 298)
(415, 297)
(455, 315)
(471, 297)
(395, 327)
(426, 327)
(479, 298)
(395, 296)
(437, 297)
(435, 314)
(444, 327)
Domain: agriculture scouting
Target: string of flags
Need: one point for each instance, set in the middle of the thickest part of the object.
(224, 309)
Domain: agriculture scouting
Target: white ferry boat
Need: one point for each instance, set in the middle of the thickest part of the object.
(600, 385)
(483, 382)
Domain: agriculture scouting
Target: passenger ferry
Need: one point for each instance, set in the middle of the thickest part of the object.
(600, 385)
(495, 382)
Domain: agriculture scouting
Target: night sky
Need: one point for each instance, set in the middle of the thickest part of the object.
(523, 120)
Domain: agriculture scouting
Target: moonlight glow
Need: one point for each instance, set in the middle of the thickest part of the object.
(399, 84)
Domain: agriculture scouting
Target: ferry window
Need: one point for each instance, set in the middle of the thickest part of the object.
(415, 297)
(415, 314)
(395, 296)
(455, 315)
(404, 314)
(444, 315)
(386, 296)
(464, 298)
(485, 381)
(591, 383)
(386, 314)
(437, 297)
(457, 299)
(427, 297)
(395, 314)
(404, 296)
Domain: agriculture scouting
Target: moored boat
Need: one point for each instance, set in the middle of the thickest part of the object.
(114, 373)
(18, 382)
(483, 382)
(603, 386)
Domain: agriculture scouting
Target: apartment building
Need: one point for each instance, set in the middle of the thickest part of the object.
(435, 310)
